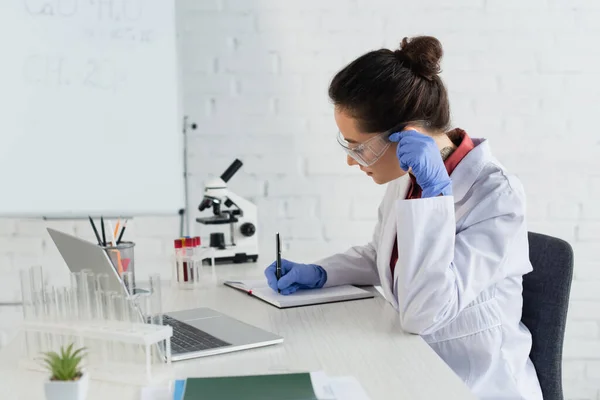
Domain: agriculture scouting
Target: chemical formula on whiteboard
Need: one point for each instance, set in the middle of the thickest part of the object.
(112, 10)
(56, 70)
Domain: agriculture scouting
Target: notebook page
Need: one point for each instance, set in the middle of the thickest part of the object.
(311, 296)
(248, 284)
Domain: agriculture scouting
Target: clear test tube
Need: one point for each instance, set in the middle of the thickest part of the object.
(154, 305)
(127, 277)
(26, 294)
(28, 311)
(90, 280)
(101, 300)
(36, 278)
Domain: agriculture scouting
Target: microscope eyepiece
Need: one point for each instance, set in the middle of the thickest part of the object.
(231, 170)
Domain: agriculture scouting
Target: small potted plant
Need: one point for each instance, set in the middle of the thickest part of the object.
(67, 380)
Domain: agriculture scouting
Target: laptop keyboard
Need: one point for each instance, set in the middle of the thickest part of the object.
(187, 338)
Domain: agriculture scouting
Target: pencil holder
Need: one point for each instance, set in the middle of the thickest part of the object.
(122, 257)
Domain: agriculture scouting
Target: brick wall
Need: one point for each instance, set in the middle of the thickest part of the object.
(524, 74)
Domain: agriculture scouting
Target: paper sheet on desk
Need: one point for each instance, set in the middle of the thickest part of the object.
(337, 388)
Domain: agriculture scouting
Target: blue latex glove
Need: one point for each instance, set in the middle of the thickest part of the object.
(295, 276)
(421, 154)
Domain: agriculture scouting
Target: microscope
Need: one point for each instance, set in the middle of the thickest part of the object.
(230, 209)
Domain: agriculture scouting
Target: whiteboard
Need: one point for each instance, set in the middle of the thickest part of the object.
(90, 119)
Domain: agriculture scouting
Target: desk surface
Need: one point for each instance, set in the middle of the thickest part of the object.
(359, 338)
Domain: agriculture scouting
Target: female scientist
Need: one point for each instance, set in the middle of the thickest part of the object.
(450, 246)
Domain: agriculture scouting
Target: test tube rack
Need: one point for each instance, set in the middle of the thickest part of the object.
(119, 345)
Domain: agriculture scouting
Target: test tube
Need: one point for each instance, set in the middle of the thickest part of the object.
(36, 278)
(26, 294)
(101, 301)
(90, 284)
(128, 282)
(154, 305)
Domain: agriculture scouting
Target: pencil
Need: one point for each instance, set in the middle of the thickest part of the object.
(95, 230)
(122, 231)
(103, 234)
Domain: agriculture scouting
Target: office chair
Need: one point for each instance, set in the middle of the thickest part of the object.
(545, 303)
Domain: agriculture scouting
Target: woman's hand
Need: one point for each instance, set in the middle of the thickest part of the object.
(295, 276)
(420, 153)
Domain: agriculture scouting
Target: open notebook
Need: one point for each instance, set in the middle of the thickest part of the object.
(261, 290)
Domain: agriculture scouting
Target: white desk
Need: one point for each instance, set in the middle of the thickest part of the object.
(359, 338)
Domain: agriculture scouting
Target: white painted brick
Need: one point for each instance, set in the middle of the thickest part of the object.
(300, 228)
(582, 329)
(245, 126)
(533, 84)
(266, 5)
(334, 206)
(310, 251)
(203, 5)
(562, 230)
(519, 105)
(156, 226)
(593, 370)
(331, 166)
(271, 208)
(365, 208)
(349, 21)
(21, 245)
(496, 5)
(589, 232)
(587, 270)
(150, 247)
(301, 207)
(590, 210)
(10, 287)
(288, 21)
(209, 23)
(310, 62)
(293, 106)
(221, 145)
(593, 186)
(469, 83)
(561, 209)
(579, 391)
(8, 226)
(357, 231)
(584, 310)
(573, 370)
(586, 290)
(253, 106)
(263, 62)
(6, 263)
(582, 349)
(272, 164)
(289, 85)
(216, 85)
(552, 125)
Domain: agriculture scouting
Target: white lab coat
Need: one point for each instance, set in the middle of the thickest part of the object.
(458, 278)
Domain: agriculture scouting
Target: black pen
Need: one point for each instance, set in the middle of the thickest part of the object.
(103, 234)
(95, 230)
(278, 258)
(122, 232)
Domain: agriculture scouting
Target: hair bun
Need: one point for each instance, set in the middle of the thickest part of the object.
(423, 55)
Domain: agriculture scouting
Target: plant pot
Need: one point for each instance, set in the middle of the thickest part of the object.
(67, 390)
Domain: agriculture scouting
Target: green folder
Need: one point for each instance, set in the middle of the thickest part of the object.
(255, 387)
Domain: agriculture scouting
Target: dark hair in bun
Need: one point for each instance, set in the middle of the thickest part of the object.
(422, 54)
(384, 89)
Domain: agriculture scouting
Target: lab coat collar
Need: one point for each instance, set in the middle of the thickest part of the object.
(466, 172)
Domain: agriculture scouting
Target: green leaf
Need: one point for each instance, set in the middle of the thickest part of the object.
(64, 365)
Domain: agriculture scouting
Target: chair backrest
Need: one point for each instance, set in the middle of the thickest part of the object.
(545, 304)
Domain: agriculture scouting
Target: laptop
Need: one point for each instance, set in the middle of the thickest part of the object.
(197, 332)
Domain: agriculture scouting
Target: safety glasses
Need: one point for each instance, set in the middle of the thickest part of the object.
(366, 153)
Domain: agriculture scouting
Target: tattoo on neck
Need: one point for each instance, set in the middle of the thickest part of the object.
(446, 151)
